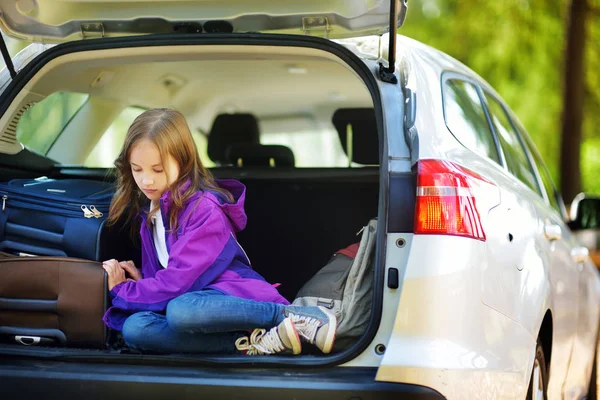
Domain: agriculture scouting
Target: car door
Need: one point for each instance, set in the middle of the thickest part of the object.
(516, 273)
(582, 355)
(549, 246)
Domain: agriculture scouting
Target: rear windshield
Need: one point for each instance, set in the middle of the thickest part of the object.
(311, 141)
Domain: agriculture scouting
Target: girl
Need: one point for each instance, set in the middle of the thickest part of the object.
(196, 291)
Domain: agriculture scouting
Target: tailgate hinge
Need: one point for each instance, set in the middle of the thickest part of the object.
(92, 30)
(6, 57)
(316, 26)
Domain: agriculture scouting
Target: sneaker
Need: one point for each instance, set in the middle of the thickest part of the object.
(282, 339)
(316, 325)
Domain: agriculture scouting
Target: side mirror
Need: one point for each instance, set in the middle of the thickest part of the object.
(585, 212)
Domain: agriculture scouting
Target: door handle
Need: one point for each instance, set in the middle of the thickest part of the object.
(552, 231)
(580, 254)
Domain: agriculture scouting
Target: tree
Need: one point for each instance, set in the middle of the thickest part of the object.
(573, 100)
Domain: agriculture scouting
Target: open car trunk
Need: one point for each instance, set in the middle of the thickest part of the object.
(298, 214)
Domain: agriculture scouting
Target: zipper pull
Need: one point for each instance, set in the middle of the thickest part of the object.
(96, 212)
(4, 198)
(86, 212)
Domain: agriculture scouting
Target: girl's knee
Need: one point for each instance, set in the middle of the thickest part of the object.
(184, 313)
(135, 326)
(176, 313)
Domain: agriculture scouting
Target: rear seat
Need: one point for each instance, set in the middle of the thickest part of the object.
(364, 147)
(230, 129)
(260, 155)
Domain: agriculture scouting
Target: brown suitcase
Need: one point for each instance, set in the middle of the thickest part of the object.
(52, 301)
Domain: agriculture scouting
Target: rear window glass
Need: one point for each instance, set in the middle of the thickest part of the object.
(39, 127)
(313, 145)
(466, 119)
(108, 147)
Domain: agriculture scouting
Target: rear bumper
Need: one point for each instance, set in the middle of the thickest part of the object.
(34, 379)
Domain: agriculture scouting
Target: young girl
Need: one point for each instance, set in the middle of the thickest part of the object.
(196, 291)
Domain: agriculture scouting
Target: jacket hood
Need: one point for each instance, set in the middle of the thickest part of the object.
(234, 211)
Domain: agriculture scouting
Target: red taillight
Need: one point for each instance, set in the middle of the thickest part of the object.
(446, 200)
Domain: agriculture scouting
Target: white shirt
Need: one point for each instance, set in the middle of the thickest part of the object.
(158, 232)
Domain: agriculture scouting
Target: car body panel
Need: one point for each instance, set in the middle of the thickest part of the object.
(468, 347)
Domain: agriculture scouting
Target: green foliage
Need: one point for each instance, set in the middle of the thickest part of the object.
(518, 47)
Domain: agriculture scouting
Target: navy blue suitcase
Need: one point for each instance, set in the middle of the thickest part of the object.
(65, 217)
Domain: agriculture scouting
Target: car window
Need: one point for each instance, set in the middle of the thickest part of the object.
(108, 147)
(39, 126)
(465, 118)
(544, 174)
(516, 158)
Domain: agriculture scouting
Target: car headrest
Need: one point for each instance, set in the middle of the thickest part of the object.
(365, 141)
(260, 155)
(228, 129)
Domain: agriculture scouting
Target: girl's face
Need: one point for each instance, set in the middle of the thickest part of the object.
(148, 169)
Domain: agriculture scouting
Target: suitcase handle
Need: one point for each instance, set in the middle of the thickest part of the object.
(29, 335)
(32, 340)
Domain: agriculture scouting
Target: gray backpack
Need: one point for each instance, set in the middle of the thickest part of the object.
(345, 286)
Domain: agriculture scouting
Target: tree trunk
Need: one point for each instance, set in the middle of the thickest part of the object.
(574, 85)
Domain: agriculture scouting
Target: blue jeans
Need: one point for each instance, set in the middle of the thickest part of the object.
(207, 321)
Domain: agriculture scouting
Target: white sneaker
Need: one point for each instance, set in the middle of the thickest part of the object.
(316, 325)
(281, 339)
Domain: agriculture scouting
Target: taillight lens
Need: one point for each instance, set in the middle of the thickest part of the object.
(450, 200)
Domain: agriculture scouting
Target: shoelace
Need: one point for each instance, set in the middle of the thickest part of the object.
(261, 342)
(307, 326)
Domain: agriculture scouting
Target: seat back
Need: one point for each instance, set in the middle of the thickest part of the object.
(361, 144)
(259, 155)
(229, 129)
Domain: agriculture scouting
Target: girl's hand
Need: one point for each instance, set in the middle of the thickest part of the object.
(116, 274)
(129, 266)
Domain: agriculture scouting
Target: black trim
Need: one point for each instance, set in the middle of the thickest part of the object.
(402, 194)
(7, 59)
(345, 55)
(97, 381)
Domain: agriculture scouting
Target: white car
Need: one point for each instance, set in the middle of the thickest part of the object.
(480, 289)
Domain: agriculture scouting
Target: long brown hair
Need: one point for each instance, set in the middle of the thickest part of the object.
(169, 131)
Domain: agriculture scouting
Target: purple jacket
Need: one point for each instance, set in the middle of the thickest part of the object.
(204, 254)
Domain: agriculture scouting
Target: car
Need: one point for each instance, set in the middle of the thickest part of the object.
(480, 289)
